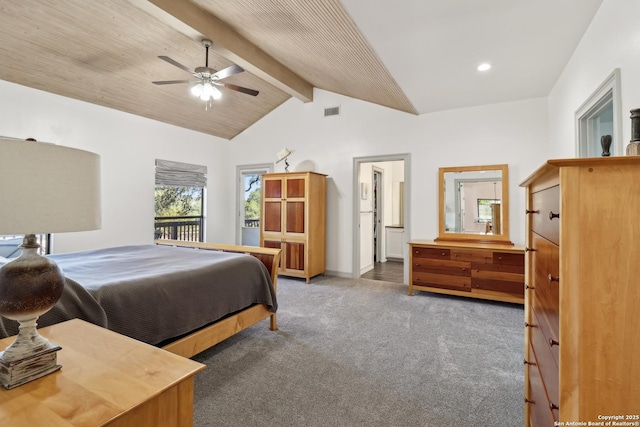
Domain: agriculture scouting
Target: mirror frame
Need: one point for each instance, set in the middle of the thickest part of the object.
(472, 237)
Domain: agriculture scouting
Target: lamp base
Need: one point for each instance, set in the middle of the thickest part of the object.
(17, 372)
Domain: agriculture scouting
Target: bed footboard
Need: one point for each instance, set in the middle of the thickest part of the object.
(204, 338)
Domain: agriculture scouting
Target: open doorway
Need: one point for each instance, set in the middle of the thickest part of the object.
(249, 187)
(380, 223)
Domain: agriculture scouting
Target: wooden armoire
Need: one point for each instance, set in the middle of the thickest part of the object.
(293, 218)
(582, 292)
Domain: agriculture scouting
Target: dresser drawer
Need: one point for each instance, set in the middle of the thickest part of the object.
(540, 412)
(507, 258)
(546, 205)
(500, 278)
(435, 253)
(460, 283)
(546, 360)
(429, 265)
(545, 286)
(470, 255)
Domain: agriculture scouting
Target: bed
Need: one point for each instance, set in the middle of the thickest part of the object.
(182, 296)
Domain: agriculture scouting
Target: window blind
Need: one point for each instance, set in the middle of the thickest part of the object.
(176, 174)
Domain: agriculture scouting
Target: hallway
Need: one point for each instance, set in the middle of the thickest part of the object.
(390, 271)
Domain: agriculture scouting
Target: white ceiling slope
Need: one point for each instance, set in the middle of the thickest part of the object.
(415, 56)
(432, 47)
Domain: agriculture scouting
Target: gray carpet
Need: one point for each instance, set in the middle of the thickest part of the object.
(364, 353)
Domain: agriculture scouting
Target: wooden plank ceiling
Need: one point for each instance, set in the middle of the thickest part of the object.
(105, 52)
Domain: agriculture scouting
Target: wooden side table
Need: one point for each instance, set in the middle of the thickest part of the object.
(106, 379)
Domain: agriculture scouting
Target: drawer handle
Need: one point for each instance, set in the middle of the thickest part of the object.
(553, 278)
(552, 215)
(455, 255)
(553, 406)
(528, 287)
(529, 401)
(532, 212)
(529, 250)
(553, 342)
(526, 362)
(529, 325)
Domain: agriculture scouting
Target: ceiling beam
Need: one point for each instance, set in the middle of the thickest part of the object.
(195, 22)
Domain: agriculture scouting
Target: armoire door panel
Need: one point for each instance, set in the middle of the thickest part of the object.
(295, 187)
(272, 188)
(295, 217)
(272, 217)
(295, 256)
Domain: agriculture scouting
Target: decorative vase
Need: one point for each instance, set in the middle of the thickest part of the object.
(605, 142)
(635, 125)
(633, 149)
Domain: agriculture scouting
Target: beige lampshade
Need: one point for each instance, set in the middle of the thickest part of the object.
(47, 188)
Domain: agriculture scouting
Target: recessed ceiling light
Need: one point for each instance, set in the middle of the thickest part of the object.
(484, 66)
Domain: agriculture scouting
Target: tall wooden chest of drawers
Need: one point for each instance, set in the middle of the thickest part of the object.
(476, 270)
(582, 297)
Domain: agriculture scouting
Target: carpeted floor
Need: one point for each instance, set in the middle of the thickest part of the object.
(364, 353)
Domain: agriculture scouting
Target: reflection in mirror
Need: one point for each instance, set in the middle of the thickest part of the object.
(474, 203)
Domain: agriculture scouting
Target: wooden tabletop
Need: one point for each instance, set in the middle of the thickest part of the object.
(103, 375)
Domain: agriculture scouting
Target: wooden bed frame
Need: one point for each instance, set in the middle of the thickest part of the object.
(211, 335)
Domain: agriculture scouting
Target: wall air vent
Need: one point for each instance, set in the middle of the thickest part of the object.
(333, 111)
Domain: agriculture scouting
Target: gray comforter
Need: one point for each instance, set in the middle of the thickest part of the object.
(155, 293)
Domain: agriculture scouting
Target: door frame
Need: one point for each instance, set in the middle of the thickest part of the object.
(357, 162)
(241, 170)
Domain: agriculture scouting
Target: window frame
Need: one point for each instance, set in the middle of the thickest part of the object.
(608, 93)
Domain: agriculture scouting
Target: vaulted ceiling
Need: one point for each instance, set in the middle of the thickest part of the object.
(415, 56)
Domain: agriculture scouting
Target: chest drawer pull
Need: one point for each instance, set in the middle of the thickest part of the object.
(532, 212)
(553, 278)
(553, 406)
(553, 215)
(526, 362)
(528, 287)
(529, 250)
(553, 342)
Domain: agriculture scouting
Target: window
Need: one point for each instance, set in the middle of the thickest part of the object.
(485, 212)
(600, 116)
(10, 245)
(179, 201)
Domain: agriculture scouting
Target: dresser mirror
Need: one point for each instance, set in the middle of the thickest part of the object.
(474, 203)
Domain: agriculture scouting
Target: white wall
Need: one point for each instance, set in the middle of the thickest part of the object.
(611, 41)
(510, 133)
(128, 146)
(502, 133)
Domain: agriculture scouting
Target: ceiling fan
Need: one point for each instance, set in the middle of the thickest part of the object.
(208, 78)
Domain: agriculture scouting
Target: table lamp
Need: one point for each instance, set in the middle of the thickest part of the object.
(44, 188)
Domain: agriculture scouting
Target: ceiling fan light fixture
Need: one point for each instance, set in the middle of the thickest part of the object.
(206, 91)
(197, 89)
(215, 94)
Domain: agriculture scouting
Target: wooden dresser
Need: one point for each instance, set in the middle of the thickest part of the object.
(106, 379)
(582, 297)
(293, 218)
(487, 271)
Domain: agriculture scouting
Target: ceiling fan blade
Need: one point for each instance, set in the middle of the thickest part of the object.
(177, 64)
(228, 72)
(170, 82)
(241, 89)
